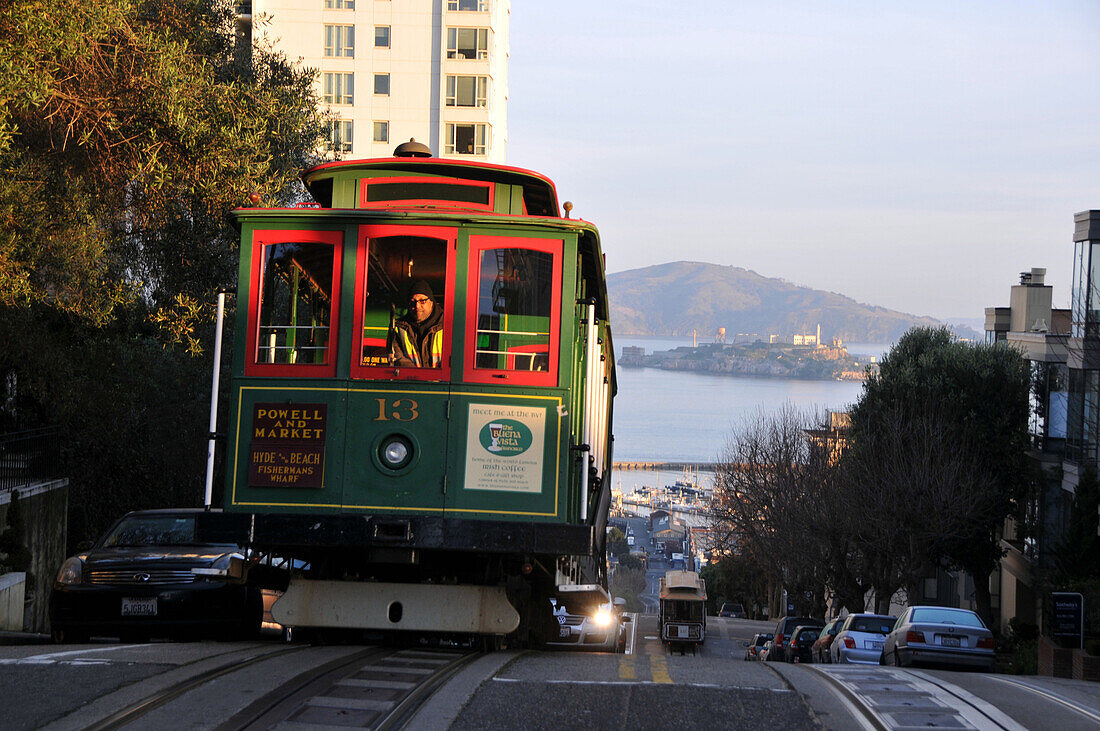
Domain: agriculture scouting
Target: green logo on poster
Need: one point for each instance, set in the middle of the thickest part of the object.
(506, 437)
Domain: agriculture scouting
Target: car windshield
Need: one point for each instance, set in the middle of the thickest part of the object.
(879, 625)
(937, 615)
(762, 640)
(152, 530)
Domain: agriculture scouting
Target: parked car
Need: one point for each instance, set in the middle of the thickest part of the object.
(820, 650)
(783, 630)
(601, 629)
(755, 645)
(939, 635)
(801, 643)
(155, 573)
(766, 650)
(861, 637)
(732, 609)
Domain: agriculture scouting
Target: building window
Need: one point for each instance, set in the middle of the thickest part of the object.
(382, 84)
(339, 135)
(340, 4)
(467, 91)
(381, 131)
(338, 88)
(340, 41)
(381, 36)
(478, 5)
(467, 139)
(468, 43)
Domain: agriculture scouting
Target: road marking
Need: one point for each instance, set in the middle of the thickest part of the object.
(658, 669)
(55, 657)
(1083, 710)
(570, 681)
(626, 669)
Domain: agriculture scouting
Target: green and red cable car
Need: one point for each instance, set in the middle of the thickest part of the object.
(454, 498)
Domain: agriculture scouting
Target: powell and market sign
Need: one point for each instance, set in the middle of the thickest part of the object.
(288, 445)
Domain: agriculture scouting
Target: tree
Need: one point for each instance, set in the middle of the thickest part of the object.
(907, 493)
(769, 490)
(971, 404)
(128, 128)
(617, 544)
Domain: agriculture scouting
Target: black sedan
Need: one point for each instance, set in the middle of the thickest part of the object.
(156, 573)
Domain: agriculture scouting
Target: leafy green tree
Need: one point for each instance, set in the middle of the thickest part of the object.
(128, 128)
(616, 543)
(975, 397)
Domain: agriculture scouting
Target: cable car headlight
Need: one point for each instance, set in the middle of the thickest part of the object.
(395, 452)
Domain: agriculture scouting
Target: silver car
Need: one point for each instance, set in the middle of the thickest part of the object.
(939, 635)
(598, 628)
(861, 638)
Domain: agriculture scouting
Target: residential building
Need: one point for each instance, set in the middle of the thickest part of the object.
(1063, 349)
(394, 70)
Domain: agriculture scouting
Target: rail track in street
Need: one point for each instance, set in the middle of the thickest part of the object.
(887, 698)
(375, 687)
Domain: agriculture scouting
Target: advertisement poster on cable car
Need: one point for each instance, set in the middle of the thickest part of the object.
(504, 448)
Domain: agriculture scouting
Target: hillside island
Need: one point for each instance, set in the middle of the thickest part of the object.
(810, 362)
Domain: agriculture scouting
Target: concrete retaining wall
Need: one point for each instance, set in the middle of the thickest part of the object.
(11, 601)
(45, 507)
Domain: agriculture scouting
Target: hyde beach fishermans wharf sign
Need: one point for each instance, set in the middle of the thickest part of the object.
(504, 448)
(288, 445)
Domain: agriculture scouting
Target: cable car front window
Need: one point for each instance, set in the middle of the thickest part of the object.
(296, 303)
(513, 315)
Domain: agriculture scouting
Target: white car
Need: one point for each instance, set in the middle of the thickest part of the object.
(600, 629)
(860, 638)
(939, 635)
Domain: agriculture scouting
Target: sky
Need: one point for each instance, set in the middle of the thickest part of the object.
(912, 155)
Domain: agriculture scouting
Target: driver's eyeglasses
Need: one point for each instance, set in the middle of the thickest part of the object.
(422, 301)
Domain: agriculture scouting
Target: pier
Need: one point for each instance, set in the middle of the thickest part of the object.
(667, 466)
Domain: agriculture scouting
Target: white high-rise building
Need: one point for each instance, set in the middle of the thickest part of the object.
(392, 70)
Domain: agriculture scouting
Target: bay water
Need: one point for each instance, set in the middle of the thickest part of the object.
(679, 416)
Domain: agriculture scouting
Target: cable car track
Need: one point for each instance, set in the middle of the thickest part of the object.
(348, 690)
(156, 700)
(894, 698)
(373, 687)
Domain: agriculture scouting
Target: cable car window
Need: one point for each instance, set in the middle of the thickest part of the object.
(379, 192)
(515, 298)
(403, 318)
(296, 303)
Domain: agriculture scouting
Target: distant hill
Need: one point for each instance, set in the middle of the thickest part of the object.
(676, 298)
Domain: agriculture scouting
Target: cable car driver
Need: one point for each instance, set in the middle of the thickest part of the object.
(418, 335)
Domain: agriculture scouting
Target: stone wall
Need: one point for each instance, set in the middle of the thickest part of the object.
(45, 508)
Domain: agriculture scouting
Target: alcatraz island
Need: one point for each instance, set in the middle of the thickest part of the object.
(804, 357)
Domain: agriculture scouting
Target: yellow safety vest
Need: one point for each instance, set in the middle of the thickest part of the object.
(430, 355)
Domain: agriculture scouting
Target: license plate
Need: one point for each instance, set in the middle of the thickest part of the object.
(873, 645)
(139, 607)
(951, 642)
(563, 632)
